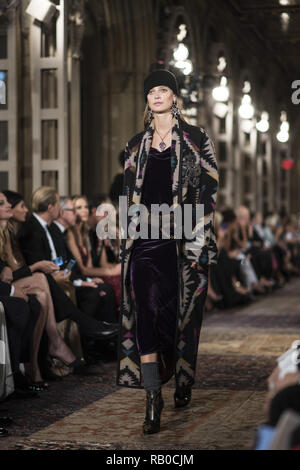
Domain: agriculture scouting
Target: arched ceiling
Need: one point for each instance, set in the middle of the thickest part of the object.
(275, 25)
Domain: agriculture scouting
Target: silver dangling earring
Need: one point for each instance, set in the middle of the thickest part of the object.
(174, 110)
(150, 115)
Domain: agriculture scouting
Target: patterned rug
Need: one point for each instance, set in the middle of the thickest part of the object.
(237, 352)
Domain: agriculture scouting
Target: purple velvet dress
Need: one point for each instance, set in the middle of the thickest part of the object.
(153, 267)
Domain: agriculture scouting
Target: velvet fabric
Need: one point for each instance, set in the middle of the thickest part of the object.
(153, 268)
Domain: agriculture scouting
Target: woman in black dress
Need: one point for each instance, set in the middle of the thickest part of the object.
(164, 280)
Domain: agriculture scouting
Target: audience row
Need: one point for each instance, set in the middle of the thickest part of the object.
(53, 268)
(257, 256)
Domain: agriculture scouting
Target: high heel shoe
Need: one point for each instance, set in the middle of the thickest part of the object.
(38, 386)
(3, 432)
(154, 408)
(77, 365)
(182, 396)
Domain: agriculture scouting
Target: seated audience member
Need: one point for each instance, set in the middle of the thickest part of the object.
(283, 398)
(37, 281)
(268, 239)
(254, 245)
(272, 222)
(229, 285)
(79, 244)
(34, 294)
(251, 245)
(37, 244)
(290, 239)
(20, 323)
(263, 230)
(283, 249)
(286, 372)
(105, 253)
(97, 296)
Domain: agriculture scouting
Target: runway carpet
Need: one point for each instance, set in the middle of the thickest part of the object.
(237, 352)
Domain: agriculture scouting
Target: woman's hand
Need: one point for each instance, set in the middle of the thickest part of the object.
(98, 280)
(20, 292)
(61, 275)
(89, 284)
(46, 267)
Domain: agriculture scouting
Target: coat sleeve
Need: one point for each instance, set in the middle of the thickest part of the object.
(32, 248)
(125, 192)
(209, 180)
(22, 272)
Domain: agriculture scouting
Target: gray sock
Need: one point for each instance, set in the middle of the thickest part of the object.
(150, 372)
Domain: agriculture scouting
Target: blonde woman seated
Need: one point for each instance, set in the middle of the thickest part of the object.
(79, 245)
(12, 214)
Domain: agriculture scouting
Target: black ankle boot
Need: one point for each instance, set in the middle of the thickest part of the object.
(182, 396)
(154, 408)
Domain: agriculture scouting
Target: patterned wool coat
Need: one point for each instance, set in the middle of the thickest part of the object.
(194, 181)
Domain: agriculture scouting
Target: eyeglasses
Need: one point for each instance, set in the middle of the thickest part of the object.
(81, 207)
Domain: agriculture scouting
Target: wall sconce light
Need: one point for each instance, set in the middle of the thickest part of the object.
(221, 93)
(263, 124)
(246, 110)
(283, 135)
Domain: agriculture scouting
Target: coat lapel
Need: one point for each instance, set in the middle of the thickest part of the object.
(142, 159)
(176, 156)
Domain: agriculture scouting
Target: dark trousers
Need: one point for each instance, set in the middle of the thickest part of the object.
(96, 306)
(20, 322)
(65, 308)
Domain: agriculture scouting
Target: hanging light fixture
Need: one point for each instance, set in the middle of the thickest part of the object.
(247, 125)
(182, 33)
(263, 124)
(222, 64)
(181, 53)
(283, 135)
(246, 110)
(220, 109)
(221, 93)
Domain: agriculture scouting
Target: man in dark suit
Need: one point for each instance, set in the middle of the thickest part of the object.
(97, 300)
(37, 244)
(20, 326)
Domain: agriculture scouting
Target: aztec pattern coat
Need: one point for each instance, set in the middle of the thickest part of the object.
(194, 181)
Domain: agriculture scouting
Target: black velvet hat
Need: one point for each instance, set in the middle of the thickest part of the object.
(160, 77)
